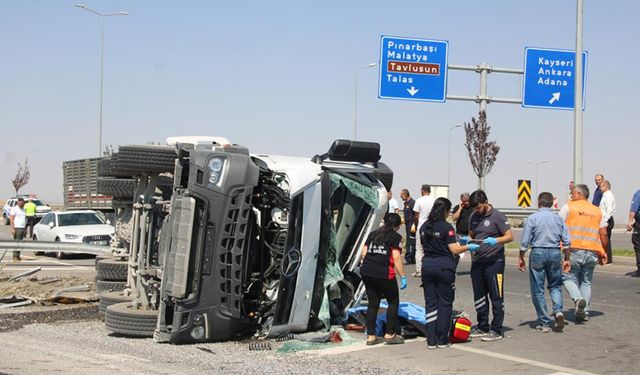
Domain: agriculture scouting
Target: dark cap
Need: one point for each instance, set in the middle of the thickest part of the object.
(426, 187)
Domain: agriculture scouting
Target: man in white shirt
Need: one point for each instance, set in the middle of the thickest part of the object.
(394, 207)
(608, 208)
(421, 211)
(18, 220)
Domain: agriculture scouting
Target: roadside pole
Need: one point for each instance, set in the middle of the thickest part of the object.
(577, 109)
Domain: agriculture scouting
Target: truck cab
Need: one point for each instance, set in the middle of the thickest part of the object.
(265, 244)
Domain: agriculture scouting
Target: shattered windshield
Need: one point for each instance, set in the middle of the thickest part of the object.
(352, 204)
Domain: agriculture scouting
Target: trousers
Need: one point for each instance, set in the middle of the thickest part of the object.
(487, 280)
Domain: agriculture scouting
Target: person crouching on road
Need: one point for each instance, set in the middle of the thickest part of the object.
(381, 259)
(545, 232)
(439, 272)
(487, 264)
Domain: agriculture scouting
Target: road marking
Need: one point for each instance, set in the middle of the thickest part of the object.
(47, 268)
(560, 370)
(506, 357)
(592, 303)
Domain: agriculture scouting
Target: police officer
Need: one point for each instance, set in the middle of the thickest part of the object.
(381, 258)
(633, 224)
(30, 212)
(439, 272)
(487, 266)
(410, 237)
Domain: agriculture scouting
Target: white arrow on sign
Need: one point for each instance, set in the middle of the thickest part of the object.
(413, 91)
(554, 98)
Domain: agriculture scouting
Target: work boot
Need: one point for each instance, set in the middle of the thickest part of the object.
(559, 321)
(581, 303)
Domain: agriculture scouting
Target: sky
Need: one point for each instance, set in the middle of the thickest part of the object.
(278, 77)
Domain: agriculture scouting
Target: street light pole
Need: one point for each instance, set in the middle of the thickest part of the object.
(355, 98)
(537, 164)
(102, 16)
(449, 161)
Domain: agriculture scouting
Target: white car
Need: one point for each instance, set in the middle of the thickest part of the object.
(89, 227)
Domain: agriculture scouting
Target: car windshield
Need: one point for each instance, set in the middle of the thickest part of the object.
(79, 218)
(38, 202)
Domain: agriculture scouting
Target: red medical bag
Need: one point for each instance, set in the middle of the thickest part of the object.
(460, 329)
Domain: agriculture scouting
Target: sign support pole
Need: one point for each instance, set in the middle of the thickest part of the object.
(577, 109)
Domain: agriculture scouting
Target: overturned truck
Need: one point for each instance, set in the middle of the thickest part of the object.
(246, 244)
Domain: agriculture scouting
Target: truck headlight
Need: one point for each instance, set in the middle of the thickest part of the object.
(71, 236)
(215, 166)
(197, 332)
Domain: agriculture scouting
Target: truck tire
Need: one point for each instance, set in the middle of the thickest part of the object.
(110, 286)
(111, 298)
(117, 187)
(124, 319)
(137, 159)
(111, 270)
(104, 167)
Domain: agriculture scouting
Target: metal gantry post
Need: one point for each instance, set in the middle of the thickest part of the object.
(577, 109)
(483, 69)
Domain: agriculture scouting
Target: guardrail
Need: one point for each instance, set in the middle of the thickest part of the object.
(65, 247)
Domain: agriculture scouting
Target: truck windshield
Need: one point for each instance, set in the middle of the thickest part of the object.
(79, 219)
(352, 203)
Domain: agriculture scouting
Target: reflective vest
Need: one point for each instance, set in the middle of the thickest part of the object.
(583, 224)
(30, 208)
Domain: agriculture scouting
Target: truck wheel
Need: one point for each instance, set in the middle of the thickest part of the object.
(124, 319)
(111, 298)
(137, 159)
(111, 270)
(103, 168)
(110, 286)
(117, 187)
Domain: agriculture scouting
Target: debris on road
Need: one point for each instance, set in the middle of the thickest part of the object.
(80, 288)
(14, 301)
(25, 273)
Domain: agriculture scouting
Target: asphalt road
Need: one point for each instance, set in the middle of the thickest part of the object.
(607, 344)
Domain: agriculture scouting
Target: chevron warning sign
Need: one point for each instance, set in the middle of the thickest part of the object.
(524, 193)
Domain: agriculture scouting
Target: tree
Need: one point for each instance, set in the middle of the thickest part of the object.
(108, 151)
(482, 153)
(22, 176)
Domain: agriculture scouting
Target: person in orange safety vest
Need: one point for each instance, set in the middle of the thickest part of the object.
(588, 232)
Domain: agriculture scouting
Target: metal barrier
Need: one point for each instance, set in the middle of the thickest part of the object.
(65, 247)
(519, 213)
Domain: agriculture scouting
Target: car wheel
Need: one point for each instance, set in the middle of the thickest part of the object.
(59, 254)
(6, 219)
(137, 159)
(34, 239)
(111, 298)
(127, 320)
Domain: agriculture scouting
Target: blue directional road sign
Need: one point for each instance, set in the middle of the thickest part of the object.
(549, 78)
(413, 69)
